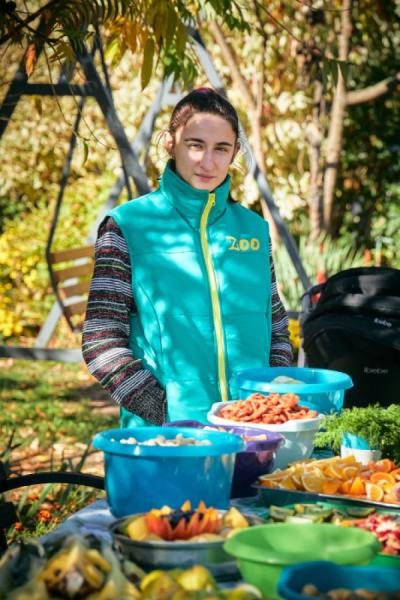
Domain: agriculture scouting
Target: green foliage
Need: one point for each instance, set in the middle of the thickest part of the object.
(50, 403)
(378, 425)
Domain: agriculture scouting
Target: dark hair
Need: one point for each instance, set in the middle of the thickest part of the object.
(203, 100)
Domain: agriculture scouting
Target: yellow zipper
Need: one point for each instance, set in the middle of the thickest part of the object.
(214, 298)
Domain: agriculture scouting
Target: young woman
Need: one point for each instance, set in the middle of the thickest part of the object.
(184, 293)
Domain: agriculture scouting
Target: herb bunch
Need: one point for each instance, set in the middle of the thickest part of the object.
(378, 425)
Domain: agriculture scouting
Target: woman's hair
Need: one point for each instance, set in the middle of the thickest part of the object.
(203, 100)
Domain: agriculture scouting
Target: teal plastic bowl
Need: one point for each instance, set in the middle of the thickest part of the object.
(328, 576)
(139, 478)
(263, 551)
(323, 389)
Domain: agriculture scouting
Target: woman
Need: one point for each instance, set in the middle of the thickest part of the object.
(184, 292)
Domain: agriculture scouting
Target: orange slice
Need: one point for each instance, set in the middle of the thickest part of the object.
(334, 471)
(269, 483)
(287, 484)
(350, 472)
(357, 487)
(374, 492)
(381, 477)
(345, 487)
(396, 474)
(313, 482)
(351, 459)
(331, 486)
(385, 465)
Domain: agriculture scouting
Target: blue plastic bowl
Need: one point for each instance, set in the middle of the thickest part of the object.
(323, 390)
(328, 576)
(257, 458)
(139, 478)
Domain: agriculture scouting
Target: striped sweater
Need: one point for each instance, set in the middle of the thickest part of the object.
(105, 344)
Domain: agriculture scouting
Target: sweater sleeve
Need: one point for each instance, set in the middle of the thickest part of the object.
(105, 341)
(281, 353)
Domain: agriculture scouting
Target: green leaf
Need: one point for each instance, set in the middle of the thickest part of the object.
(325, 72)
(171, 26)
(344, 69)
(334, 71)
(147, 65)
(85, 151)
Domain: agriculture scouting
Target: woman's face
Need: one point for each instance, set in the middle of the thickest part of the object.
(203, 149)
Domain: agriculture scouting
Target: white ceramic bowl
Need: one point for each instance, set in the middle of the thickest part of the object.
(299, 435)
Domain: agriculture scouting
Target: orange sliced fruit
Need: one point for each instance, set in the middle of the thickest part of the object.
(331, 486)
(287, 484)
(357, 487)
(313, 481)
(345, 487)
(385, 465)
(396, 474)
(381, 477)
(396, 491)
(269, 483)
(351, 459)
(374, 492)
(350, 472)
(334, 471)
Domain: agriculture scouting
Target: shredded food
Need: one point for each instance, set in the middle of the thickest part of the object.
(272, 409)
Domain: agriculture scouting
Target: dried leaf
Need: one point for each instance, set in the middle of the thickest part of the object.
(30, 59)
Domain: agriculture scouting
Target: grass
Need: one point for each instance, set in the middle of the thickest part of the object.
(49, 415)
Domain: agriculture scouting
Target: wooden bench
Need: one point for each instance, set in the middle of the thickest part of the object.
(71, 271)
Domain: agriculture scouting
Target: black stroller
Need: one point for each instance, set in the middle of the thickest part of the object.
(351, 323)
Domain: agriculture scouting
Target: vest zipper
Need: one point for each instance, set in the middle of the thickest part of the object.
(216, 309)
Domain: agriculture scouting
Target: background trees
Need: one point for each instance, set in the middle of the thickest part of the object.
(330, 151)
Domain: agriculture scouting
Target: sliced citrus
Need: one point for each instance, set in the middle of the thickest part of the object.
(334, 471)
(374, 492)
(269, 483)
(381, 477)
(385, 465)
(351, 459)
(287, 484)
(313, 481)
(357, 487)
(387, 487)
(331, 486)
(349, 472)
(396, 491)
(345, 487)
(396, 474)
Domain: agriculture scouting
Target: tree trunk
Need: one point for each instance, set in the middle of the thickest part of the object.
(254, 107)
(335, 134)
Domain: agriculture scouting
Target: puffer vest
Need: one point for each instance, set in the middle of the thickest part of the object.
(201, 284)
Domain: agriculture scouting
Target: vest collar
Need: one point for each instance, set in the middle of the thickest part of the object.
(189, 201)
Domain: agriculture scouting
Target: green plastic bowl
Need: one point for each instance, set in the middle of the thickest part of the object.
(264, 550)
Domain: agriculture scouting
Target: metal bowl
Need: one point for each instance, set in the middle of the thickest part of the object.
(170, 555)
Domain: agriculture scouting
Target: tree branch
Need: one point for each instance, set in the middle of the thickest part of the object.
(232, 63)
(373, 91)
(29, 19)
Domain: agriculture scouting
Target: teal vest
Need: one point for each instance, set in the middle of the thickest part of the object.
(201, 284)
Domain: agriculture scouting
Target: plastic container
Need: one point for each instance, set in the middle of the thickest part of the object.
(323, 389)
(139, 478)
(328, 576)
(257, 459)
(263, 551)
(299, 435)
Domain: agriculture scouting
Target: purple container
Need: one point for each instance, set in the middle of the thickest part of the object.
(256, 460)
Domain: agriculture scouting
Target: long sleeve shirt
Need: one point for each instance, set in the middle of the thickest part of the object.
(105, 343)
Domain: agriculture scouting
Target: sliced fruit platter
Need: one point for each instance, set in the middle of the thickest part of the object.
(376, 483)
(166, 537)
